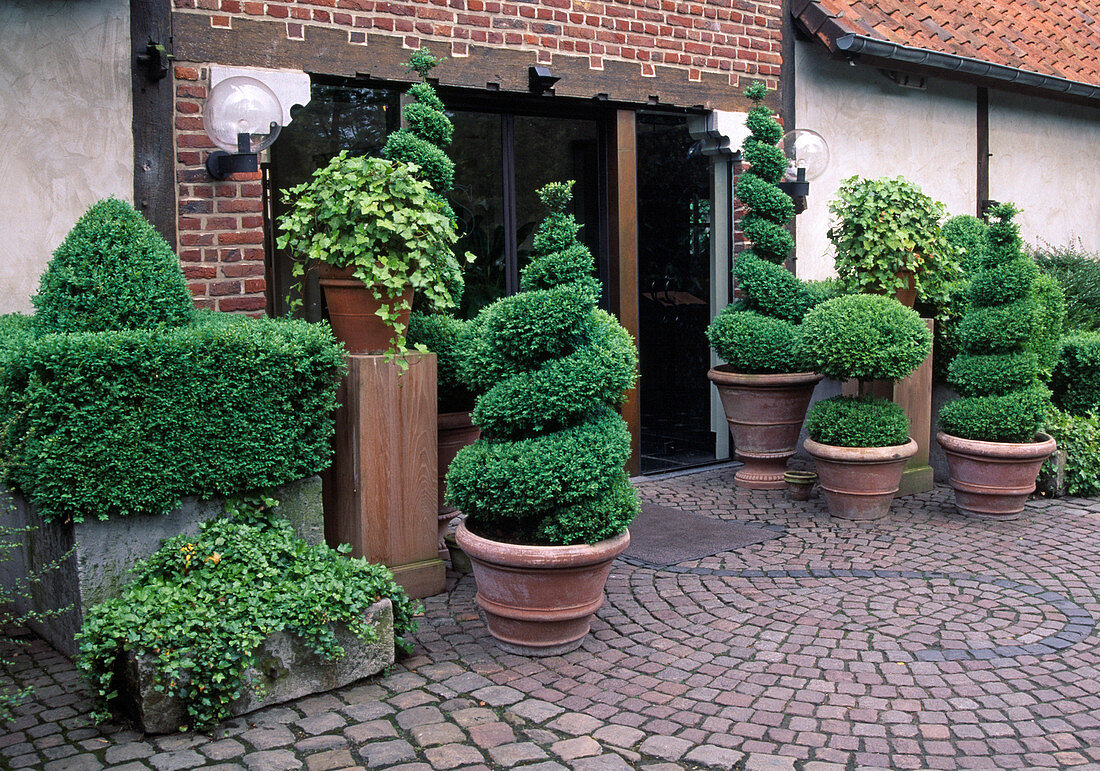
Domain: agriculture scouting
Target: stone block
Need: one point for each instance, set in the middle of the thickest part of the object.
(104, 551)
(287, 669)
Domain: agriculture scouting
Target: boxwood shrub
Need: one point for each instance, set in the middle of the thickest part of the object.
(993, 373)
(1016, 416)
(1078, 436)
(755, 344)
(1076, 382)
(857, 421)
(97, 424)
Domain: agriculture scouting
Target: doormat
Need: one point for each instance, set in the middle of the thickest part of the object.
(660, 536)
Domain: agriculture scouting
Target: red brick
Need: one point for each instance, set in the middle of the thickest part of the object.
(242, 237)
(187, 73)
(219, 288)
(239, 204)
(242, 303)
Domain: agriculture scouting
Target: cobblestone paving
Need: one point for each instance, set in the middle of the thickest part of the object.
(925, 640)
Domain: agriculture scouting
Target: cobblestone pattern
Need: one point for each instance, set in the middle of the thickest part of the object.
(925, 640)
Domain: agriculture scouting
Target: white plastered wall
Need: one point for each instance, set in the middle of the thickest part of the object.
(1045, 158)
(876, 128)
(65, 127)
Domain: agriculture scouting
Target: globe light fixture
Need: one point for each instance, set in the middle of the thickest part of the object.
(807, 155)
(241, 116)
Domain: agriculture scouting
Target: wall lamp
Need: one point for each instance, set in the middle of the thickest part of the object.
(807, 155)
(539, 80)
(242, 116)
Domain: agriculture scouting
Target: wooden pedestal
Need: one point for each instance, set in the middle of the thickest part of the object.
(380, 493)
(914, 395)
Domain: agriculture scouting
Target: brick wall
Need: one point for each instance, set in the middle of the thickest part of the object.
(220, 227)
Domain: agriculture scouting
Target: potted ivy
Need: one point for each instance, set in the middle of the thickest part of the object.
(861, 444)
(378, 233)
(992, 435)
(544, 491)
(764, 386)
(888, 240)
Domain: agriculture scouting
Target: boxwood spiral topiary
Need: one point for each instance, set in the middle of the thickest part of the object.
(1006, 341)
(769, 208)
(113, 271)
(549, 369)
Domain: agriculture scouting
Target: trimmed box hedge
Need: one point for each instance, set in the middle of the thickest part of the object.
(100, 424)
(1076, 381)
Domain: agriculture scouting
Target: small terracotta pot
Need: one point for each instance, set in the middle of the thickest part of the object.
(454, 430)
(352, 310)
(539, 600)
(993, 479)
(460, 561)
(765, 414)
(800, 484)
(860, 482)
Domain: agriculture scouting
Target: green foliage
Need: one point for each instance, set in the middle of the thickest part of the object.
(445, 336)
(850, 421)
(1078, 273)
(200, 606)
(549, 369)
(112, 271)
(968, 234)
(771, 289)
(1004, 284)
(428, 130)
(946, 330)
(863, 336)
(1076, 381)
(884, 226)
(1013, 417)
(769, 208)
(99, 424)
(422, 62)
(820, 290)
(431, 162)
(378, 218)
(755, 344)
(1003, 236)
(1078, 436)
(998, 328)
(1050, 316)
(993, 374)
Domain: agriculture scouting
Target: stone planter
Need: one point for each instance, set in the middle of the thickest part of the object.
(353, 310)
(860, 482)
(765, 414)
(103, 551)
(993, 479)
(455, 431)
(287, 669)
(539, 600)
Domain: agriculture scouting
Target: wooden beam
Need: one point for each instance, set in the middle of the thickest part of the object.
(983, 150)
(154, 158)
(623, 268)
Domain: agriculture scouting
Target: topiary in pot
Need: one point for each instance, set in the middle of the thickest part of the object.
(992, 434)
(860, 444)
(546, 497)
(764, 385)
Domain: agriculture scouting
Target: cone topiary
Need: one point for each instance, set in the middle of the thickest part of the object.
(113, 271)
(1007, 336)
(550, 370)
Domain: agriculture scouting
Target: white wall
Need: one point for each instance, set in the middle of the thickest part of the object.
(876, 128)
(65, 127)
(1046, 159)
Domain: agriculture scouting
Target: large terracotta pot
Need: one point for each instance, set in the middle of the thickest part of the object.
(539, 600)
(765, 414)
(993, 479)
(454, 430)
(860, 482)
(352, 310)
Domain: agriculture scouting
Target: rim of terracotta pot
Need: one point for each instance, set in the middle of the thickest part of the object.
(1009, 450)
(725, 375)
(861, 454)
(453, 420)
(799, 477)
(529, 556)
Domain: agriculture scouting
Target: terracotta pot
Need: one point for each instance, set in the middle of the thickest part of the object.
(765, 414)
(454, 430)
(352, 310)
(860, 482)
(539, 600)
(993, 479)
(907, 294)
(800, 484)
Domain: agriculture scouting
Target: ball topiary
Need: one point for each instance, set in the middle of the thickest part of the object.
(754, 344)
(113, 271)
(1006, 338)
(549, 369)
(864, 336)
(851, 421)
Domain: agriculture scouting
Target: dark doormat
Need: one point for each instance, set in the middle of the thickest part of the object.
(660, 536)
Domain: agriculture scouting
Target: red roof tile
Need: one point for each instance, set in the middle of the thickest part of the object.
(1059, 38)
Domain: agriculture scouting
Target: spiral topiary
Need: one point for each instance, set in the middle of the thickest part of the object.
(770, 209)
(549, 369)
(1007, 333)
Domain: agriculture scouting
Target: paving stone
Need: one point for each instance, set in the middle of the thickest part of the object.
(575, 723)
(321, 723)
(467, 682)
(606, 762)
(224, 749)
(437, 733)
(313, 744)
(418, 716)
(487, 735)
(474, 716)
(536, 710)
(667, 747)
(758, 761)
(329, 760)
(120, 753)
(82, 763)
(581, 747)
(387, 753)
(714, 757)
(271, 760)
(619, 735)
(452, 756)
(518, 752)
(498, 695)
(373, 729)
(174, 761)
(268, 738)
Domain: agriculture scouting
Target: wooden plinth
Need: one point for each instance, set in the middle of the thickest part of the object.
(381, 492)
(914, 395)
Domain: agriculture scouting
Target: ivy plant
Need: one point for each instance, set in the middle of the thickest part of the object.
(883, 227)
(201, 605)
(380, 218)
